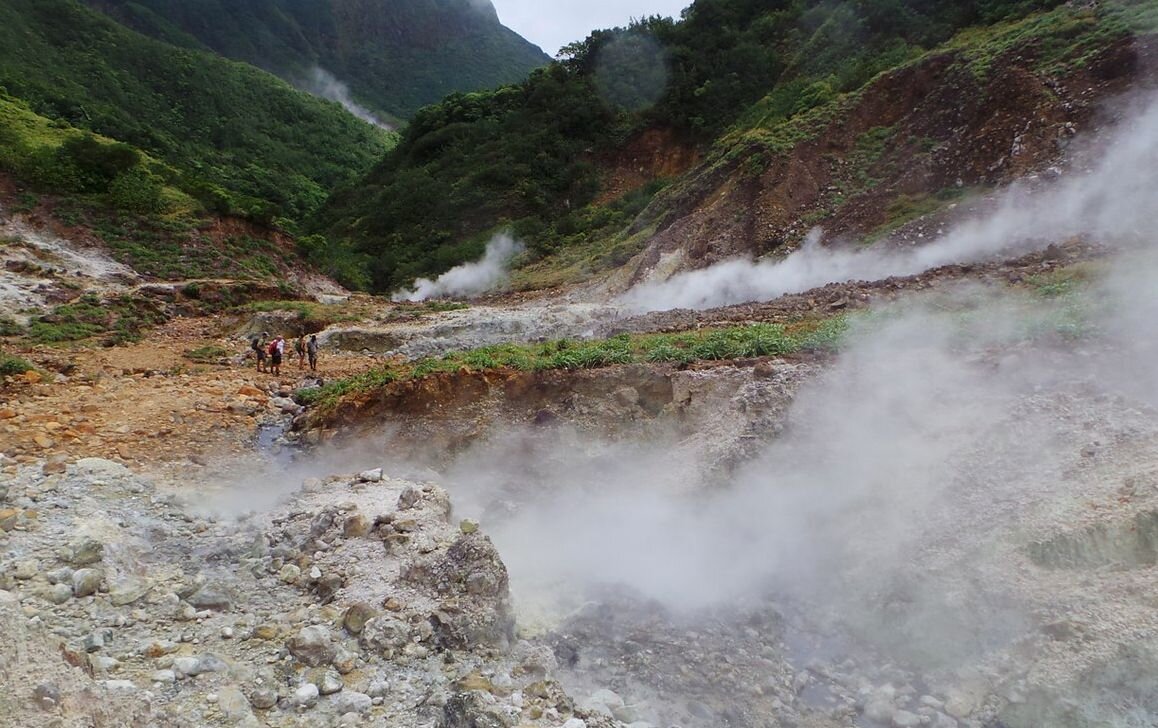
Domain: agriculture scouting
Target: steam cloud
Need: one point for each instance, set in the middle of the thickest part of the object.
(1109, 199)
(947, 420)
(321, 82)
(469, 279)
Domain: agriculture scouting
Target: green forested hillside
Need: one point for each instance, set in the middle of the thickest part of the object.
(234, 136)
(395, 56)
(526, 155)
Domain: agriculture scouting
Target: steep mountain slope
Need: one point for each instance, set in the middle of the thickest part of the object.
(987, 109)
(792, 115)
(396, 56)
(241, 139)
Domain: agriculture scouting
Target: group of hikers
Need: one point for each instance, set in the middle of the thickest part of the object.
(274, 352)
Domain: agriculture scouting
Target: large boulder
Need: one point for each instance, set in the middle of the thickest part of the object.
(474, 579)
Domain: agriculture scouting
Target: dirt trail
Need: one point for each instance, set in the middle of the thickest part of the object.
(147, 405)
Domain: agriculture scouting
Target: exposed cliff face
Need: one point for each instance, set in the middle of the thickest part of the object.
(395, 56)
(912, 141)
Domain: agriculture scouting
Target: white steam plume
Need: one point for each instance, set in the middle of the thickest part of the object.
(939, 433)
(321, 82)
(1112, 197)
(469, 279)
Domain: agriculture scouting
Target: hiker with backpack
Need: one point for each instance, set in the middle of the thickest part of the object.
(276, 350)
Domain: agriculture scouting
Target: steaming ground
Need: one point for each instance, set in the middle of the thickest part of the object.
(1108, 195)
(901, 507)
(469, 279)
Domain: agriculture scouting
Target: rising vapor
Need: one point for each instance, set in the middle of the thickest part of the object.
(469, 279)
(324, 84)
(1109, 199)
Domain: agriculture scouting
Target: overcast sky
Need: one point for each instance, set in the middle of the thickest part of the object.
(552, 25)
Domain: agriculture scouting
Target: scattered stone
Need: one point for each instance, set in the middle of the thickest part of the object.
(62, 575)
(55, 464)
(305, 696)
(385, 635)
(26, 569)
(94, 641)
(47, 696)
(371, 476)
(128, 591)
(350, 701)
(470, 710)
(409, 498)
(86, 582)
(209, 597)
(905, 719)
(160, 648)
(85, 552)
(263, 698)
(312, 646)
(233, 704)
(58, 593)
(356, 617)
(356, 526)
(328, 681)
(940, 720)
(345, 661)
(289, 573)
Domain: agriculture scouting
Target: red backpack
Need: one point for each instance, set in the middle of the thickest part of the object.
(272, 347)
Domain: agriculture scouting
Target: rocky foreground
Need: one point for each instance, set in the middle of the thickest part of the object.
(358, 601)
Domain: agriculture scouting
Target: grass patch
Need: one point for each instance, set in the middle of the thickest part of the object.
(906, 208)
(736, 342)
(1063, 282)
(121, 318)
(13, 365)
(307, 316)
(207, 354)
(8, 327)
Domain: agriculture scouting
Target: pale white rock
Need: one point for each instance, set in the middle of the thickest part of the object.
(880, 709)
(940, 720)
(905, 719)
(329, 682)
(351, 701)
(289, 573)
(86, 582)
(306, 696)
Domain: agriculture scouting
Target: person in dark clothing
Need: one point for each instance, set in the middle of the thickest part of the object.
(312, 352)
(258, 352)
(300, 350)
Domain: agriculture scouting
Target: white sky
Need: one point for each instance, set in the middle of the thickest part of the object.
(552, 24)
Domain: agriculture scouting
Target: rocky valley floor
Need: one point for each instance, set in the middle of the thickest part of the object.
(947, 524)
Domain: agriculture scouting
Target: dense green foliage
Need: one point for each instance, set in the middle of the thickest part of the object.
(235, 137)
(525, 156)
(396, 56)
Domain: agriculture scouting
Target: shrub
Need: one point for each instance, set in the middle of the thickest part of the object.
(12, 365)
